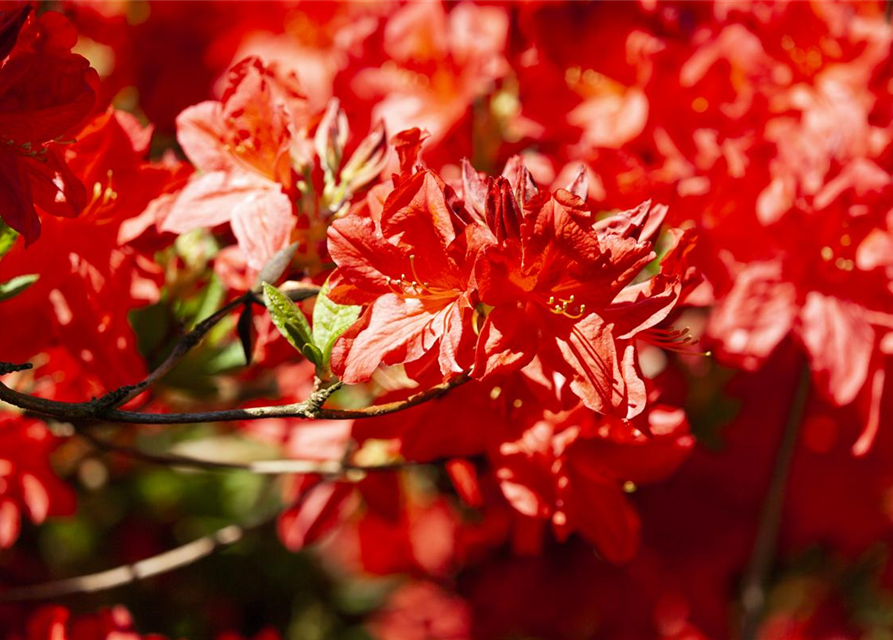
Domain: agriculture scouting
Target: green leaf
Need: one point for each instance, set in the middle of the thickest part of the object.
(208, 301)
(228, 358)
(330, 320)
(15, 286)
(8, 237)
(292, 324)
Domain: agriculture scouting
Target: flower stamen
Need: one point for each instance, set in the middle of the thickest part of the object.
(561, 308)
(416, 288)
(677, 340)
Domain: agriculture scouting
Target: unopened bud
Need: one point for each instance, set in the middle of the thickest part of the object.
(331, 137)
(367, 162)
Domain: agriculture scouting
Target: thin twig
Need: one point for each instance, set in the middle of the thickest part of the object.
(188, 341)
(163, 562)
(129, 573)
(753, 595)
(106, 409)
(309, 409)
(125, 394)
(327, 468)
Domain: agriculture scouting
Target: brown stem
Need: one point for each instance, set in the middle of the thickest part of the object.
(753, 594)
(123, 395)
(169, 560)
(129, 573)
(328, 468)
(310, 409)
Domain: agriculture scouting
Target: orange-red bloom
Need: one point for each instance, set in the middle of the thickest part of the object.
(559, 283)
(244, 146)
(46, 92)
(409, 260)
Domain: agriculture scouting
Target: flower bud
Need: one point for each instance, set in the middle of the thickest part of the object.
(331, 137)
(367, 162)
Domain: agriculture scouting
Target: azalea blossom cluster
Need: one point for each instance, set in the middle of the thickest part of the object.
(515, 288)
(541, 319)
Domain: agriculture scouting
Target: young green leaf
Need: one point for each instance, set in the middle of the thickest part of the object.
(15, 286)
(291, 323)
(330, 320)
(8, 237)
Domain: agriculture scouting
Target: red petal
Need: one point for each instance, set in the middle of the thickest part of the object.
(501, 212)
(10, 522)
(200, 131)
(755, 316)
(57, 190)
(457, 341)
(36, 498)
(507, 342)
(840, 342)
(645, 460)
(408, 144)
(263, 224)
(474, 190)
(587, 354)
(11, 23)
(16, 204)
(44, 96)
(642, 306)
(366, 261)
(318, 512)
(465, 479)
(418, 210)
(600, 511)
(873, 417)
(580, 185)
(527, 486)
(392, 330)
(209, 199)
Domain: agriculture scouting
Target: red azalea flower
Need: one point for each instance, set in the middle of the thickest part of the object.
(410, 262)
(244, 147)
(573, 468)
(436, 63)
(46, 92)
(559, 283)
(55, 622)
(570, 466)
(28, 486)
(821, 284)
(552, 281)
(92, 271)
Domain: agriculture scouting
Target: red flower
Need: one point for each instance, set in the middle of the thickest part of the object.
(46, 92)
(54, 622)
(551, 281)
(409, 259)
(436, 64)
(560, 284)
(92, 273)
(28, 486)
(572, 468)
(244, 147)
(820, 284)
